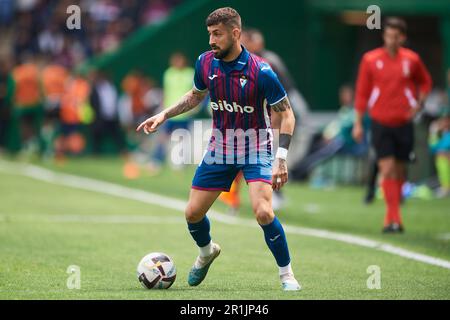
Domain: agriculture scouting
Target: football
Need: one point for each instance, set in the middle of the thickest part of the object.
(156, 271)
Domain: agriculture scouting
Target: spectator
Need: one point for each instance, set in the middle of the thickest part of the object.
(111, 38)
(439, 141)
(177, 80)
(133, 85)
(54, 77)
(27, 105)
(104, 12)
(336, 138)
(34, 27)
(104, 101)
(6, 87)
(129, 16)
(74, 113)
(156, 11)
(140, 98)
(6, 12)
(54, 80)
(50, 40)
(153, 96)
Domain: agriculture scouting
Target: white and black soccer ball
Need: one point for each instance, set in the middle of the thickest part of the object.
(156, 271)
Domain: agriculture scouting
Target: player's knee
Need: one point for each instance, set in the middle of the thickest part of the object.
(192, 214)
(388, 169)
(264, 214)
(389, 173)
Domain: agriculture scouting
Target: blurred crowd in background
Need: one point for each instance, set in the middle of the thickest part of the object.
(49, 109)
(33, 27)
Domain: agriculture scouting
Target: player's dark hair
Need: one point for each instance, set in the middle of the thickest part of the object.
(395, 23)
(228, 16)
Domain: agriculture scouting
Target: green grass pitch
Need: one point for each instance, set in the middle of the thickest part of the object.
(45, 227)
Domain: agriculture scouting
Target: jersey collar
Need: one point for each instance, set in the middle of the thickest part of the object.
(237, 64)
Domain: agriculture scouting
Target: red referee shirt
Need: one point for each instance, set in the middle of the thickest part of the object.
(388, 86)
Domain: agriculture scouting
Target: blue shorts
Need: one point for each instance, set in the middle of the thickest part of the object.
(220, 176)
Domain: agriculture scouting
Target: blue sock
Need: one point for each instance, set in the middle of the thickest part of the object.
(276, 241)
(200, 232)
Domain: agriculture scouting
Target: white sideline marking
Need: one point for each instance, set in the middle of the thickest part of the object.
(172, 203)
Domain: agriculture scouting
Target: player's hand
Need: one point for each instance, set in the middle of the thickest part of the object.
(151, 124)
(280, 174)
(358, 132)
(414, 112)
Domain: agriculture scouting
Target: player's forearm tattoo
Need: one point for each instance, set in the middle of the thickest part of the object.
(285, 140)
(282, 165)
(188, 102)
(281, 106)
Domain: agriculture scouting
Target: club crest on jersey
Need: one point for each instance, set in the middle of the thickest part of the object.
(224, 105)
(379, 64)
(243, 80)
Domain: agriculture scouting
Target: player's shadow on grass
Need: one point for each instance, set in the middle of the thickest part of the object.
(182, 288)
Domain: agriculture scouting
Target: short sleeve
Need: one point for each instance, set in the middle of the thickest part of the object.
(270, 85)
(199, 84)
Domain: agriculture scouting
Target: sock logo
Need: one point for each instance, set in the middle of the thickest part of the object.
(275, 238)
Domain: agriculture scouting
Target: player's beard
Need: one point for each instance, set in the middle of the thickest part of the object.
(222, 53)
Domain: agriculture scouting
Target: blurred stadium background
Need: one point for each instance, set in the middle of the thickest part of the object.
(49, 115)
(321, 43)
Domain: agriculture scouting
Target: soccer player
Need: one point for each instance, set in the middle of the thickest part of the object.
(243, 90)
(392, 85)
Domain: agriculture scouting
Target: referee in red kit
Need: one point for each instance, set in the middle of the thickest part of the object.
(392, 85)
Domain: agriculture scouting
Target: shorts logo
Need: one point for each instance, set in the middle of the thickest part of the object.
(224, 105)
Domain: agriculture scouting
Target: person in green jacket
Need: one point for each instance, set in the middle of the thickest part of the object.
(177, 80)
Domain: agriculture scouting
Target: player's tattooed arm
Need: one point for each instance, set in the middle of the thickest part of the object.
(286, 115)
(287, 125)
(188, 102)
(283, 105)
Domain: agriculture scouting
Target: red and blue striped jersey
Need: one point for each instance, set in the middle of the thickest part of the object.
(241, 93)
